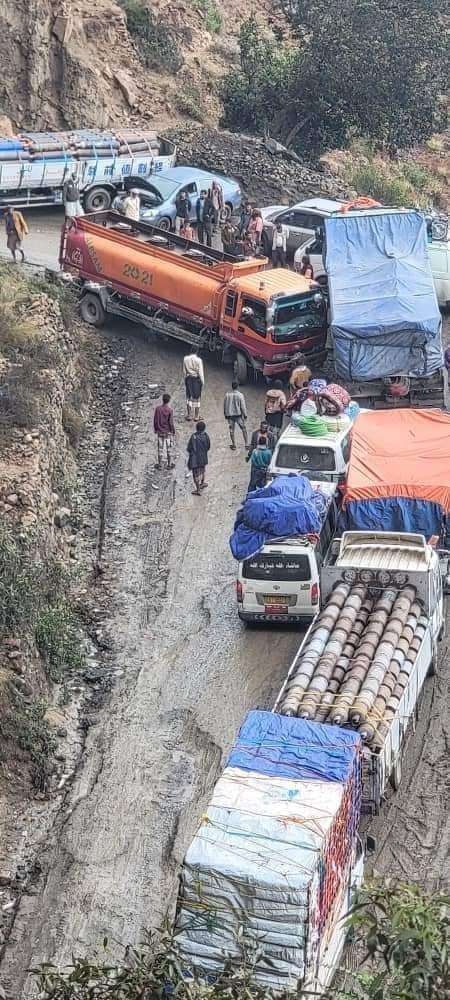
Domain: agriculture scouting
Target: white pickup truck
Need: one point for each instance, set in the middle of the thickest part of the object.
(364, 660)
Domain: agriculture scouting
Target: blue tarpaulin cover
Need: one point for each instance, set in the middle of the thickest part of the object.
(287, 506)
(294, 748)
(385, 318)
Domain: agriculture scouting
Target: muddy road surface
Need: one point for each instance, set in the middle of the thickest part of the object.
(186, 673)
(190, 672)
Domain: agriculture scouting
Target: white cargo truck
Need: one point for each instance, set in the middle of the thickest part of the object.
(34, 166)
(363, 662)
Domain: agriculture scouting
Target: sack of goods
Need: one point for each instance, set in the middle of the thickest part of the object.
(269, 865)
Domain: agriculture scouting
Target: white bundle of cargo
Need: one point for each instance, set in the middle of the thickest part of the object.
(271, 864)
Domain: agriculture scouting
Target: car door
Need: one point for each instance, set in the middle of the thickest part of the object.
(300, 227)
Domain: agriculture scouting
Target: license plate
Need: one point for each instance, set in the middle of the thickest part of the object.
(270, 599)
(275, 609)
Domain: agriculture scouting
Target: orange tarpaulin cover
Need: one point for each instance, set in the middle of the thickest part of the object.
(400, 453)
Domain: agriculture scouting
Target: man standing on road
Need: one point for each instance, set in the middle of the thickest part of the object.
(279, 246)
(263, 431)
(260, 461)
(16, 229)
(131, 206)
(194, 380)
(164, 428)
(274, 407)
(200, 215)
(183, 209)
(235, 412)
(197, 449)
(217, 202)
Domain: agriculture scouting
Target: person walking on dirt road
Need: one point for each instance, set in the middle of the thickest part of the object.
(194, 380)
(235, 412)
(164, 428)
(274, 407)
(16, 229)
(260, 461)
(197, 448)
(262, 431)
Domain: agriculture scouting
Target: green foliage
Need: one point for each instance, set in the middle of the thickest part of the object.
(394, 184)
(406, 933)
(189, 102)
(25, 724)
(58, 640)
(155, 40)
(212, 17)
(374, 66)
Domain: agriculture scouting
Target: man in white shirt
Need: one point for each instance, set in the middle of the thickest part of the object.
(279, 245)
(194, 380)
(131, 206)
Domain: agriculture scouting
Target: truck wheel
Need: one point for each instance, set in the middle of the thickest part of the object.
(165, 224)
(396, 774)
(97, 200)
(92, 310)
(240, 368)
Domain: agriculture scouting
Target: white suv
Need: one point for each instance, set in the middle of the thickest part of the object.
(323, 458)
(301, 221)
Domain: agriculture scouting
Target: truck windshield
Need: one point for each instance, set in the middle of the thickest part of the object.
(297, 315)
(280, 566)
(304, 458)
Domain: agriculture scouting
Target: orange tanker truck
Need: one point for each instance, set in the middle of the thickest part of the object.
(257, 319)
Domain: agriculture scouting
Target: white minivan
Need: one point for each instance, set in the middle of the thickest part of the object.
(323, 458)
(281, 582)
(439, 254)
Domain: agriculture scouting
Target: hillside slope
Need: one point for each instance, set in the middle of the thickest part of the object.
(68, 64)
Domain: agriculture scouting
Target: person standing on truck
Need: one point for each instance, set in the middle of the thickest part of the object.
(183, 209)
(164, 428)
(274, 407)
(260, 461)
(71, 196)
(131, 206)
(235, 412)
(279, 245)
(197, 448)
(194, 380)
(263, 431)
(16, 228)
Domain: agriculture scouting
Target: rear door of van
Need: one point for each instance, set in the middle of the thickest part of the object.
(279, 584)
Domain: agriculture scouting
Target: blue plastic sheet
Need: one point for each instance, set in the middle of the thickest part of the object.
(294, 748)
(288, 506)
(385, 318)
(395, 514)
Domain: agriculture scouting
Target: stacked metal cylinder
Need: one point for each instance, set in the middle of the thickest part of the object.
(80, 144)
(358, 660)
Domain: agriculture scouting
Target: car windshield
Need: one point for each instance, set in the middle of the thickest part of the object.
(303, 458)
(295, 315)
(164, 188)
(277, 567)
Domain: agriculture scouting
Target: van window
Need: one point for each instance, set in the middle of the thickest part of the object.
(257, 322)
(294, 456)
(277, 567)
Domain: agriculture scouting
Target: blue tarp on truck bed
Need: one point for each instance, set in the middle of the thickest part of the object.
(385, 318)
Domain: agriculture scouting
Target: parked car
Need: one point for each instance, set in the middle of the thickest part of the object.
(158, 193)
(439, 254)
(301, 221)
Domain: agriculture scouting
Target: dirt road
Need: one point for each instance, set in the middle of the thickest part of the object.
(187, 671)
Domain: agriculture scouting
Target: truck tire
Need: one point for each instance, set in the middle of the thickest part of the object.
(98, 199)
(240, 368)
(92, 310)
(396, 774)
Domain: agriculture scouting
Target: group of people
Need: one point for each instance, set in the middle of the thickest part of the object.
(209, 207)
(259, 445)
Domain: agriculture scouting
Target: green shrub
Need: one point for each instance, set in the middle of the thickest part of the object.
(155, 40)
(58, 640)
(212, 17)
(25, 724)
(373, 181)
